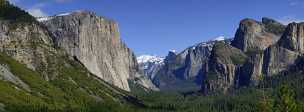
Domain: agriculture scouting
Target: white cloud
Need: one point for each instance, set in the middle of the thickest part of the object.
(37, 11)
(294, 3)
(289, 19)
(62, 1)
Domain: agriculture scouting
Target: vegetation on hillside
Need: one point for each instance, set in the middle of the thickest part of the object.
(228, 54)
(72, 90)
(14, 14)
(284, 94)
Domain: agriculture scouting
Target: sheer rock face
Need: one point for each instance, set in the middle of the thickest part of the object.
(285, 53)
(251, 71)
(293, 37)
(254, 35)
(263, 58)
(223, 66)
(278, 59)
(95, 42)
(29, 44)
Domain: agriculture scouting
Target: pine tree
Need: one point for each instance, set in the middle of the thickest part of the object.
(266, 105)
(286, 101)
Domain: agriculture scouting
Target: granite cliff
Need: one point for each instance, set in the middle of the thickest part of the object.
(95, 42)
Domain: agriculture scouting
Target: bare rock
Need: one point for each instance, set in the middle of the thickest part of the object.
(254, 35)
(96, 43)
(225, 62)
(7, 75)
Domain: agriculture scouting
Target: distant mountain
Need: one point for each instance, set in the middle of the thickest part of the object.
(183, 71)
(150, 64)
(248, 58)
(150, 59)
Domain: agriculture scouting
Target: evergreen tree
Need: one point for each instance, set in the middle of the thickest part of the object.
(286, 101)
(266, 105)
(14, 14)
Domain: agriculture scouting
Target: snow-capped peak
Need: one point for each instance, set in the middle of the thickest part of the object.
(220, 38)
(173, 51)
(42, 19)
(149, 58)
(63, 14)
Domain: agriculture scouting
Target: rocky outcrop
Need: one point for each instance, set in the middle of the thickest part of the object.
(293, 37)
(224, 63)
(253, 35)
(27, 43)
(285, 53)
(251, 72)
(95, 42)
(7, 75)
(278, 59)
(185, 69)
(269, 51)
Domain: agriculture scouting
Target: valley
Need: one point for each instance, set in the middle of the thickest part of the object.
(77, 62)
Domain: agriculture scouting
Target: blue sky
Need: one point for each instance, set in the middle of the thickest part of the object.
(157, 26)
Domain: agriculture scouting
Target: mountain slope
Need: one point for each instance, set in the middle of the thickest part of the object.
(73, 89)
(38, 76)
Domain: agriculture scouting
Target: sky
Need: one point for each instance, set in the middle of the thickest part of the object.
(156, 26)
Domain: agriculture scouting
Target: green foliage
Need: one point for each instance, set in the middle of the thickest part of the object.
(286, 101)
(238, 59)
(265, 104)
(275, 28)
(252, 51)
(74, 89)
(228, 54)
(14, 14)
(268, 97)
(211, 76)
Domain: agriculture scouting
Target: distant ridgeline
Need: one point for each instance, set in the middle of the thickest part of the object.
(259, 50)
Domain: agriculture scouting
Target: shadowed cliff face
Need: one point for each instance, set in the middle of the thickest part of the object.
(290, 47)
(223, 66)
(259, 54)
(95, 42)
(293, 37)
